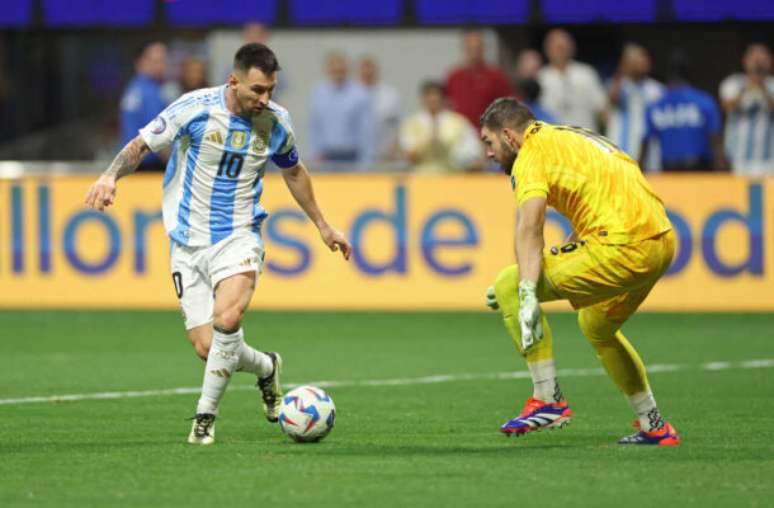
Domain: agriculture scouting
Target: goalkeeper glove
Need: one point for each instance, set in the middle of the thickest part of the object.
(529, 315)
(491, 299)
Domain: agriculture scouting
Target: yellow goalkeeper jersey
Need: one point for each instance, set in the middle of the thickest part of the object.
(586, 178)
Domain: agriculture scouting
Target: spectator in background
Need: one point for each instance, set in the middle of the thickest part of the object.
(630, 91)
(255, 31)
(527, 88)
(529, 91)
(341, 119)
(193, 74)
(385, 101)
(748, 100)
(571, 91)
(686, 122)
(436, 140)
(143, 98)
(475, 84)
(528, 64)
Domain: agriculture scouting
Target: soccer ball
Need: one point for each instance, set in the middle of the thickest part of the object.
(307, 414)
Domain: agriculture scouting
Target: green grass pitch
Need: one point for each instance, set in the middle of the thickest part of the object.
(410, 444)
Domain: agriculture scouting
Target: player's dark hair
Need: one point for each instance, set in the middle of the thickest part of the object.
(506, 112)
(256, 55)
(432, 86)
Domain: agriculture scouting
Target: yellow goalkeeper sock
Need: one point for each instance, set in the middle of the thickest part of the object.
(618, 356)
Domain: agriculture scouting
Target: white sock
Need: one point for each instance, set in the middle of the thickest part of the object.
(546, 386)
(644, 405)
(221, 363)
(254, 361)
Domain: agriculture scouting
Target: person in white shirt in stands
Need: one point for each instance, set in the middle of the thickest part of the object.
(386, 109)
(438, 140)
(571, 91)
(748, 101)
(630, 91)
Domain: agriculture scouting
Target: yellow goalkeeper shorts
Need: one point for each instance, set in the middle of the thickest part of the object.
(587, 273)
(616, 278)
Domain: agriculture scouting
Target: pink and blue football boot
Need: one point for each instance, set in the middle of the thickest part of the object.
(538, 415)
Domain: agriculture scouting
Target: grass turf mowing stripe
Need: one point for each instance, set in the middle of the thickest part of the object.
(443, 378)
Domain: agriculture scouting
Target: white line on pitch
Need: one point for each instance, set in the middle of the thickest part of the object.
(443, 378)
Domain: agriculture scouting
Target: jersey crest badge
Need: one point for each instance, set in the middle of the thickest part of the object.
(238, 139)
(259, 144)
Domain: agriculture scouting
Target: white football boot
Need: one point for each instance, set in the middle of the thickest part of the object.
(203, 429)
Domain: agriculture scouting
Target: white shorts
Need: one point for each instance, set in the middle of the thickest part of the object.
(196, 272)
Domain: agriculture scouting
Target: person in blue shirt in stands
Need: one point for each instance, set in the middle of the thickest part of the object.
(687, 124)
(143, 98)
(341, 119)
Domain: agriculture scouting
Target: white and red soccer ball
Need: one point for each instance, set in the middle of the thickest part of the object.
(307, 414)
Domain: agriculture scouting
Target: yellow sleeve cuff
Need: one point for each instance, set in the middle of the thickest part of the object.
(521, 197)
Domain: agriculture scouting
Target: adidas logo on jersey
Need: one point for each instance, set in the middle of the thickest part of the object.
(215, 137)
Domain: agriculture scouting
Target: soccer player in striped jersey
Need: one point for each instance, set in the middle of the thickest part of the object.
(622, 244)
(221, 140)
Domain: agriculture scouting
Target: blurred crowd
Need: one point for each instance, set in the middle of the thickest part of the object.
(357, 120)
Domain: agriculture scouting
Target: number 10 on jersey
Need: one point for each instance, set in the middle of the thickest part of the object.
(231, 164)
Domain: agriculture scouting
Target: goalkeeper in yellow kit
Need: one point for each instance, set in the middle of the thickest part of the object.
(622, 244)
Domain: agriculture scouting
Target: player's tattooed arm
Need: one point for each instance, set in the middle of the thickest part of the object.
(128, 158)
(102, 193)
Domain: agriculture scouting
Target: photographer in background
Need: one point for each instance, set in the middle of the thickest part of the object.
(748, 101)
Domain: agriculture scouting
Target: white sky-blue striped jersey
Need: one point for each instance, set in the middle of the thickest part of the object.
(214, 178)
(626, 124)
(749, 136)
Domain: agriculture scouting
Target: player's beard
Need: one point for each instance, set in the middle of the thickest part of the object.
(507, 158)
(244, 105)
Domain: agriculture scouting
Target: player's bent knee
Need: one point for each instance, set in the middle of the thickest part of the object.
(586, 325)
(507, 284)
(597, 330)
(229, 319)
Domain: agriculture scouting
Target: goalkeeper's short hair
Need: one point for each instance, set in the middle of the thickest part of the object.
(506, 112)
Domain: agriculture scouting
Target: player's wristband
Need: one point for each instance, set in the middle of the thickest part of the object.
(527, 289)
